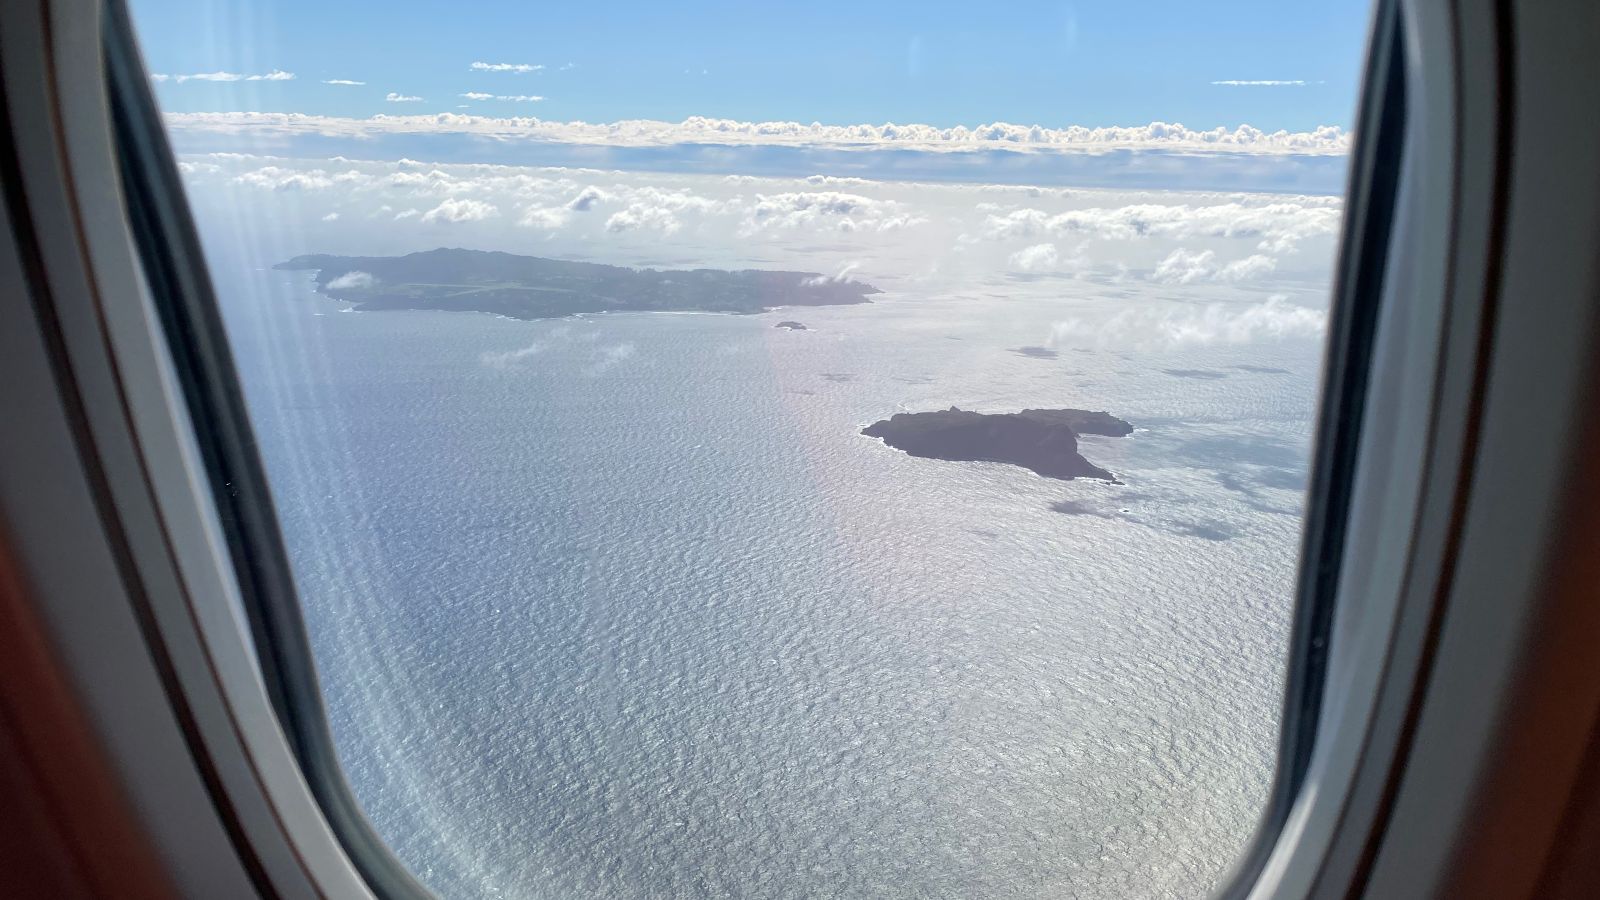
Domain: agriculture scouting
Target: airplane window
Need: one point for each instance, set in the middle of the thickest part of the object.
(732, 451)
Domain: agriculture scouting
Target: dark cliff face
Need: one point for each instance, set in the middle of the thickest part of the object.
(1044, 441)
(1081, 421)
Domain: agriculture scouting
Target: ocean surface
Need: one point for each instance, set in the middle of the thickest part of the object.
(626, 606)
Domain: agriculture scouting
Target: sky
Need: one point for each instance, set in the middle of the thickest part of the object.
(1271, 65)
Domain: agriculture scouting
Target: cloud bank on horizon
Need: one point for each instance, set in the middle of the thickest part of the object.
(1325, 140)
(1159, 155)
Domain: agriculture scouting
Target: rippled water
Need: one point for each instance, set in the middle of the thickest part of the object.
(626, 606)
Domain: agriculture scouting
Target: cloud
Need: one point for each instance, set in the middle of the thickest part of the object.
(1037, 258)
(508, 98)
(643, 216)
(841, 211)
(548, 218)
(1280, 224)
(343, 81)
(960, 228)
(519, 68)
(1264, 83)
(277, 178)
(586, 199)
(331, 217)
(461, 209)
(1253, 266)
(510, 358)
(1273, 319)
(352, 281)
(158, 78)
(274, 75)
(606, 357)
(1050, 259)
(844, 274)
(392, 97)
(1325, 140)
(1184, 267)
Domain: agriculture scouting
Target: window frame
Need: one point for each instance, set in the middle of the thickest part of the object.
(203, 575)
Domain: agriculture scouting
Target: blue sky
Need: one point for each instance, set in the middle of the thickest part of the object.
(937, 63)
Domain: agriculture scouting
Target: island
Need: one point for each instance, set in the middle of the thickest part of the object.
(791, 326)
(1044, 441)
(530, 287)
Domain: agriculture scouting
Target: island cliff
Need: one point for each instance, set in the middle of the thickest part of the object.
(1044, 441)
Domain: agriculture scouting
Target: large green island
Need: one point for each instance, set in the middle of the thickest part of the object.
(530, 287)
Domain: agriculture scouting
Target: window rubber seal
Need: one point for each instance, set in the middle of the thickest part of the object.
(1372, 198)
(168, 248)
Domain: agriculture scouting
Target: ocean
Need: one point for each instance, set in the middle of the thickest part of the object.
(626, 606)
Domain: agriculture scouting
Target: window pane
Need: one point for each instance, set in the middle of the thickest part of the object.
(686, 500)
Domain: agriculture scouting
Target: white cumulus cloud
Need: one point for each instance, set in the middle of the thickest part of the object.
(393, 97)
(548, 218)
(835, 209)
(586, 199)
(280, 178)
(1260, 83)
(1273, 319)
(460, 209)
(505, 98)
(1279, 225)
(344, 81)
(1037, 258)
(274, 75)
(352, 281)
(644, 216)
(1324, 140)
(1255, 265)
(1184, 267)
(519, 68)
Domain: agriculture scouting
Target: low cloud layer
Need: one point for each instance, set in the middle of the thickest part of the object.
(1172, 327)
(1127, 269)
(1157, 155)
(1328, 139)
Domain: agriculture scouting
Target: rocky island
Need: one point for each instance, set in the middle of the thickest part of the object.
(530, 287)
(791, 326)
(1044, 441)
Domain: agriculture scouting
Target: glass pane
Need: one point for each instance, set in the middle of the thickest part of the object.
(688, 500)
